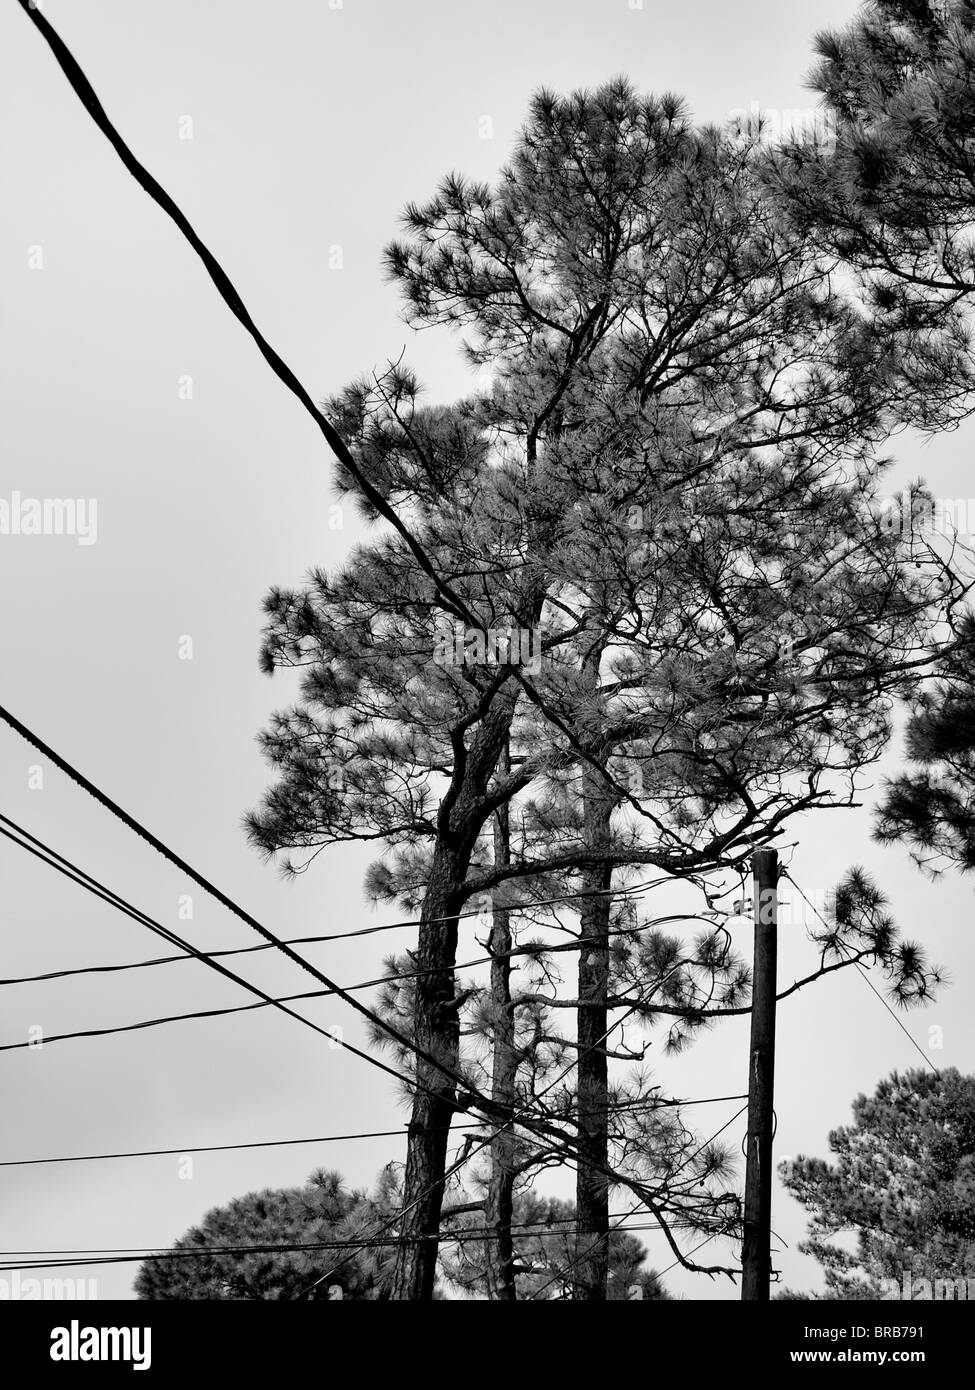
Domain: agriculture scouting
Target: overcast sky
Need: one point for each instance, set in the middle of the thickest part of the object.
(311, 126)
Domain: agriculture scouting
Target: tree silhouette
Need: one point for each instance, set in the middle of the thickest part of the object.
(903, 1182)
(669, 485)
(322, 1212)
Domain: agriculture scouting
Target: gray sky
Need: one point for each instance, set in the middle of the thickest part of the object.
(311, 127)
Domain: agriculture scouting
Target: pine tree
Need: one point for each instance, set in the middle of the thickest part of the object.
(322, 1212)
(671, 481)
(931, 806)
(903, 1182)
(888, 189)
(572, 202)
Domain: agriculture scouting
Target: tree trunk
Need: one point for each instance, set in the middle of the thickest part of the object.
(499, 1247)
(592, 1181)
(436, 1030)
(436, 1026)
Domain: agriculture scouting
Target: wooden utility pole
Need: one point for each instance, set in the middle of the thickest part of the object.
(756, 1250)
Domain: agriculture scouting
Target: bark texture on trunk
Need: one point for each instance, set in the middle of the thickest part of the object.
(436, 1025)
(499, 1200)
(592, 1179)
(592, 1182)
(436, 1031)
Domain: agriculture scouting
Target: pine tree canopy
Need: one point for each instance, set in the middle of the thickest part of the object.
(903, 1182)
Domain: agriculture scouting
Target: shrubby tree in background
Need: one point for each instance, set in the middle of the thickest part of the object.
(903, 1182)
(323, 1210)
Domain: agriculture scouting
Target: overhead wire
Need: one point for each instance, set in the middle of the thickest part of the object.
(83, 89)
(481, 1102)
(79, 876)
(16, 1260)
(331, 936)
(181, 1149)
(450, 600)
(86, 880)
(870, 985)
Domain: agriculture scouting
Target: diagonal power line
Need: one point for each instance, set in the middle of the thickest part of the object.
(524, 1118)
(115, 900)
(84, 880)
(481, 1101)
(175, 939)
(312, 1139)
(451, 601)
(870, 985)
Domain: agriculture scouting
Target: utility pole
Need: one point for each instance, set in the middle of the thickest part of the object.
(756, 1250)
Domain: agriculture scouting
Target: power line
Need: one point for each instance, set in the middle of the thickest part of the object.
(634, 890)
(236, 1009)
(177, 1018)
(558, 1226)
(450, 601)
(86, 93)
(114, 899)
(461, 1237)
(453, 603)
(79, 876)
(480, 1101)
(870, 985)
(215, 1148)
(227, 902)
(573, 945)
(196, 1014)
(85, 880)
(655, 1104)
(298, 941)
